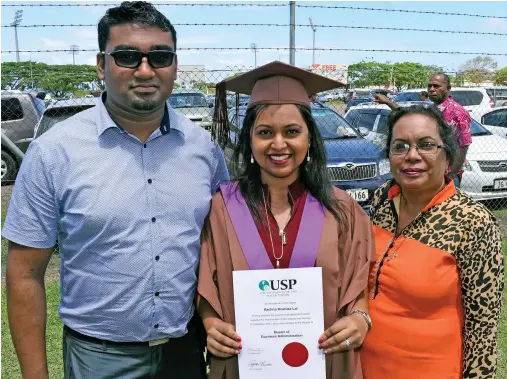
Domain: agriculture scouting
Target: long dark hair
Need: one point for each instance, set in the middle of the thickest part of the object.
(313, 174)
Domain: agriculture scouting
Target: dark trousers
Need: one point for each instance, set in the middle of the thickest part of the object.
(180, 358)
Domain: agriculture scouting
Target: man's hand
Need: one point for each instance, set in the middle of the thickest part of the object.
(223, 341)
(351, 328)
(381, 99)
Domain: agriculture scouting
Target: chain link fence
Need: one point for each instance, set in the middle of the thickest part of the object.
(352, 124)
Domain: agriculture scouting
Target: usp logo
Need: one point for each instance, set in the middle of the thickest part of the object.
(264, 285)
(276, 285)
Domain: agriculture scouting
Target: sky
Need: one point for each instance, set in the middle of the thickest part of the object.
(51, 38)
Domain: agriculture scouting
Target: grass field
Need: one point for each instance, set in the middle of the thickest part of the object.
(10, 367)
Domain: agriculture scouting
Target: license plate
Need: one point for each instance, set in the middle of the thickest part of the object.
(358, 194)
(500, 184)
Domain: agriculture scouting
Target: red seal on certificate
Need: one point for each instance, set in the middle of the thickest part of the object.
(295, 354)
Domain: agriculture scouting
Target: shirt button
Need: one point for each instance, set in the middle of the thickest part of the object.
(145, 146)
(153, 219)
(149, 181)
(157, 258)
(155, 326)
(157, 293)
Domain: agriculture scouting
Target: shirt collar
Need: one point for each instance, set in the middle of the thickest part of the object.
(446, 193)
(446, 101)
(104, 120)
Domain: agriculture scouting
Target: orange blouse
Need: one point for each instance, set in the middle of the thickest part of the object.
(420, 289)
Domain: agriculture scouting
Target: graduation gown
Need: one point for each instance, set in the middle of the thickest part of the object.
(345, 254)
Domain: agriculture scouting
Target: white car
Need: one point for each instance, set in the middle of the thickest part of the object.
(496, 121)
(475, 100)
(485, 171)
(371, 120)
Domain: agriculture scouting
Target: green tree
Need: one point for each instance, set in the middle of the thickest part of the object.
(365, 74)
(55, 79)
(406, 75)
(479, 69)
(500, 77)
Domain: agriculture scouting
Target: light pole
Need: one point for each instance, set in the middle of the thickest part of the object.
(17, 20)
(314, 29)
(74, 49)
(31, 75)
(254, 48)
(292, 36)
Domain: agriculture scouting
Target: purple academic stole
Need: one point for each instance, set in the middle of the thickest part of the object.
(307, 240)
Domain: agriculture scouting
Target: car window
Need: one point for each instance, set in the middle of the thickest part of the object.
(53, 116)
(332, 125)
(496, 118)
(477, 129)
(362, 93)
(407, 96)
(187, 100)
(366, 120)
(351, 116)
(382, 123)
(11, 109)
(467, 98)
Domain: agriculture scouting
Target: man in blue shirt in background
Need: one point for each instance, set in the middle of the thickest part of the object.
(124, 188)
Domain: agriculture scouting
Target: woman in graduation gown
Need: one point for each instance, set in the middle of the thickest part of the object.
(283, 212)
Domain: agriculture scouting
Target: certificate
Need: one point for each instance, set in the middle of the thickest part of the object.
(280, 317)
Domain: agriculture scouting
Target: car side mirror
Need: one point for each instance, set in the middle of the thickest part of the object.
(364, 131)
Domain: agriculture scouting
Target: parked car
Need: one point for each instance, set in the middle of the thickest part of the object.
(498, 95)
(485, 175)
(371, 120)
(355, 164)
(192, 104)
(20, 113)
(496, 121)
(358, 100)
(485, 171)
(475, 100)
(61, 110)
(357, 97)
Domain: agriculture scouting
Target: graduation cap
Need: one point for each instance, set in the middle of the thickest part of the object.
(273, 83)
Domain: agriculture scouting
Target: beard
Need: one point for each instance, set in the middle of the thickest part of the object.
(147, 102)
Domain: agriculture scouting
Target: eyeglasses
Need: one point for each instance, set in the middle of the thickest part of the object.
(133, 58)
(423, 148)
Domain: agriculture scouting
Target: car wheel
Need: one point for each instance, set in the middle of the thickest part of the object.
(8, 168)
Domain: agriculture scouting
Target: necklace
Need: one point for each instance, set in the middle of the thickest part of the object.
(281, 232)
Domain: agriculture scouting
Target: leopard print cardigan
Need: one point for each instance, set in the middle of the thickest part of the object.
(471, 234)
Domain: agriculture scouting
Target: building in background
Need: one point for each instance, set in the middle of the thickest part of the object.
(189, 76)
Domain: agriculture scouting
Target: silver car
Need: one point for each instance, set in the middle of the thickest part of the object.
(193, 105)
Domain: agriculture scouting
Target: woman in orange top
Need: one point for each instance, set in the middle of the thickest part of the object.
(436, 288)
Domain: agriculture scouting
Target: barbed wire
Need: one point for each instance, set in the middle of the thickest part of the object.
(107, 4)
(280, 49)
(400, 10)
(282, 25)
(262, 5)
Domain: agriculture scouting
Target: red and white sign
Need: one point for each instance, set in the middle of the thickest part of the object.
(328, 67)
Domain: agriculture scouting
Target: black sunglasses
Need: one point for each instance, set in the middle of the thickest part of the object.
(133, 58)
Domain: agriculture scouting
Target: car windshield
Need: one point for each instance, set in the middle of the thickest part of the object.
(187, 100)
(477, 129)
(331, 125)
(407, 96)
(53, 116)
